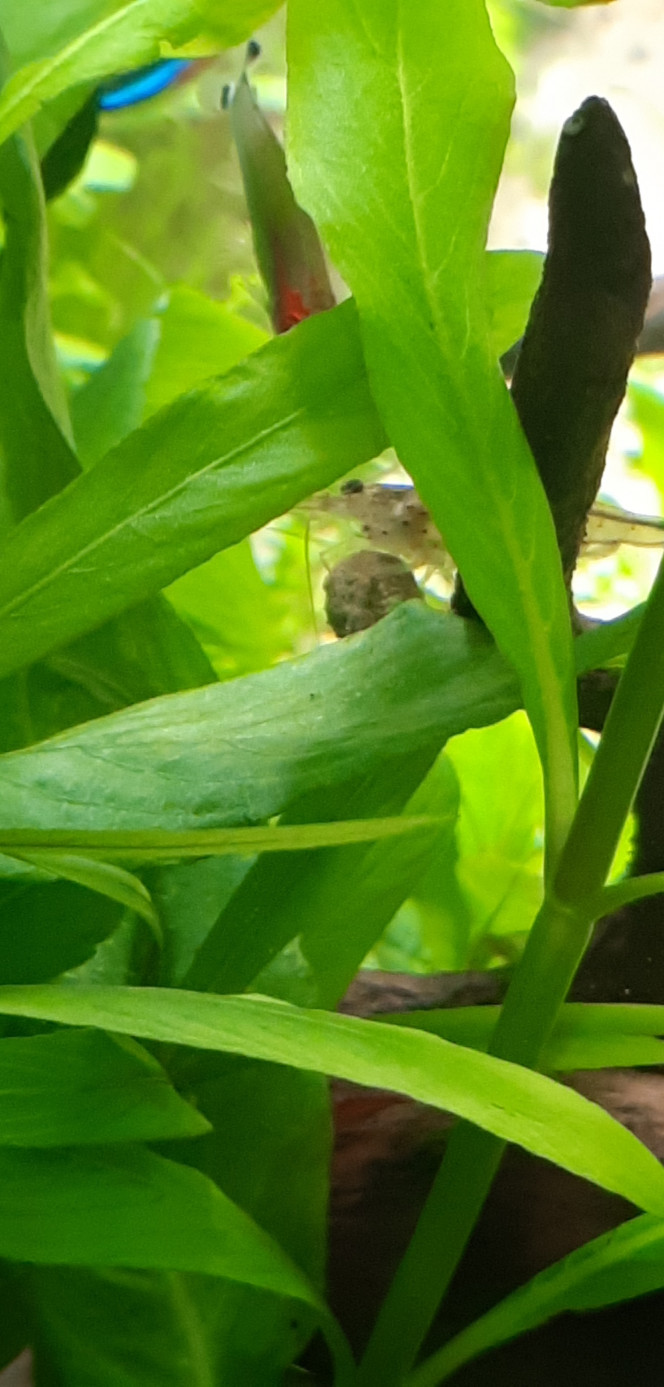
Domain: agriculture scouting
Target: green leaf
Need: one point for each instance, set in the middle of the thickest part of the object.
(146, 651)
(210, 757)
(398, 120)
(198, 338)
(199, 476)
(511, 1102)
(513, 278)
(68, 152)
(317, 897)
(646, 409)
(573, 1045)
(36, 455)
(359, 898)
(627, 1262)
(125, 1206)
(189, 897)
(499, 866)
(47, 928)
(103, 877)
(268, 1147)
(112, 402)
(609, 641)
(270, 1153)
(74, 1088)
(126, 36)
(15, 1326)
(127, 1328)
(243, 622)
(429, 677)
(41, 848)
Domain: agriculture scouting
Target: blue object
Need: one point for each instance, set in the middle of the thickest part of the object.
(133, 87)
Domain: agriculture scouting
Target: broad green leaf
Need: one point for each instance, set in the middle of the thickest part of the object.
(199, 476)
(125, 1206)
(243, 622)
(112, 403)
(398, 120)
(429, 678)
(507, 1100)
(37, 461)
(627, 1262)
(119, 36)
(198, 338)
(73, 1088)
(513, 278)
(430, 931)
(42, 28)
(145, 652)
(270, 1153)
(484, 891)
(127, 1328)
(268, 1147)
(499, 869)
(211, 757)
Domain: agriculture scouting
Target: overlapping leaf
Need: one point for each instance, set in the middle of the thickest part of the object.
(120, 36)
(199, 476)
(398, 119)
(76, 1088)
(511, 1102)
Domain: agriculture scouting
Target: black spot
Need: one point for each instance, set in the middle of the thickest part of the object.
(352, 488)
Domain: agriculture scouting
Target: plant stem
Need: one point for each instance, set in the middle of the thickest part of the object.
(554, 949)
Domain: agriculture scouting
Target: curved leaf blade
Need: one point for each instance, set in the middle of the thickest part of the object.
(513, 1103)
(623, 1264)
(398, 119)
(196, 478)
(132, 34)
(214, 756)
(76, 1088)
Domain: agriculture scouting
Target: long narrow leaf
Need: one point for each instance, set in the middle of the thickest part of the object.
(625, 1263)
(511, 1102)
(43, 847)
(398, 118)
(241, 751)
(199, 476)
